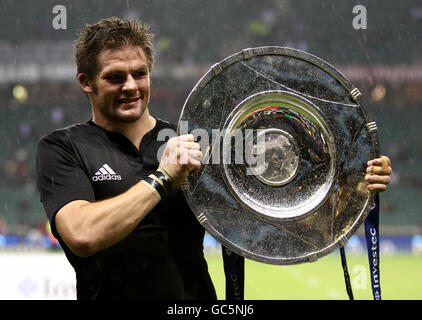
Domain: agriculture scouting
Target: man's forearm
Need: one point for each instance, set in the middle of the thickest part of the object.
(90, 227)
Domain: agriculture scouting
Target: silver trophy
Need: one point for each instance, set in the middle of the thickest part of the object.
(285, 139)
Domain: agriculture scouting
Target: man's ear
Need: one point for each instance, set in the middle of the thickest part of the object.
(85, 83)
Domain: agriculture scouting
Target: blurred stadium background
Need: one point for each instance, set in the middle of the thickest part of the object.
(38, 93)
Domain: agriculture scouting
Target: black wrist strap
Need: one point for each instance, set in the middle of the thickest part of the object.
(161, 182)
(165, 179)
(156, 185)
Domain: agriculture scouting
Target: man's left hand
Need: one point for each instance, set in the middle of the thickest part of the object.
(378, 174)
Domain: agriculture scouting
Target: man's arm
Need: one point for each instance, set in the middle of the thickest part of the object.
(378, 174)
(88, 227)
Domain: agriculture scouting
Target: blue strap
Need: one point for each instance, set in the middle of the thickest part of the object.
(372, 244)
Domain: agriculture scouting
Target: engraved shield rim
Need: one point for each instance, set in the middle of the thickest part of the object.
(250, 52)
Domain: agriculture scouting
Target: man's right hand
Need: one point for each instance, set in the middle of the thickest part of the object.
(181, 158)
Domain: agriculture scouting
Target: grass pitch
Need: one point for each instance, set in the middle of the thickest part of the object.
(400, 275)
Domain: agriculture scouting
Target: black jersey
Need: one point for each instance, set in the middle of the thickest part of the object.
(163, 257)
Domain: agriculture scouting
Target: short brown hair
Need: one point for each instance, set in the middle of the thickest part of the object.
(110, 33)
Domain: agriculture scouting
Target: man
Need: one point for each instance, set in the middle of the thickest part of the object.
(117, 212)
(122, 241)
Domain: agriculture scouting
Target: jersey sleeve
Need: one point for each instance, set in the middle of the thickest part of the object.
(60, 177)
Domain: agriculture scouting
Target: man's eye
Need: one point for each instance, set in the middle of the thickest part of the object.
(114, 78)
(139, 74)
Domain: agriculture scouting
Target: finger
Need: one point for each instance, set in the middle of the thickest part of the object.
(179, 153)
(196, 154)
(185, 155)
(194, 165)
(383, 161)
(187, 137)
(194, 162)
(386, 160)
(377, 187)
(375, 162)
(378, 170)
(189, 145)
(369, 178)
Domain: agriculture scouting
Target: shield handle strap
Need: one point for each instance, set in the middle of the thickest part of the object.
(234, 270)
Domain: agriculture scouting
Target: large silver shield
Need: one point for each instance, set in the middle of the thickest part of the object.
(286, 140)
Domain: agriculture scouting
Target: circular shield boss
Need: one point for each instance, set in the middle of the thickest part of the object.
(285, 141)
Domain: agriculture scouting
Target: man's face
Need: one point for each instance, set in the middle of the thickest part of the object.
(121, 87)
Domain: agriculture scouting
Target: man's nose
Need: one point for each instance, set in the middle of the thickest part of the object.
(130, 84)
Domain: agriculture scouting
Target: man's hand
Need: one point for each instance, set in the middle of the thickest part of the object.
(378, 174)
(181, 158)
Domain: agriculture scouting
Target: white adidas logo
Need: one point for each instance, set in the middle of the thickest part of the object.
(106, 173)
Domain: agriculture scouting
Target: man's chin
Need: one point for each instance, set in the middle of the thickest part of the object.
(129, 116)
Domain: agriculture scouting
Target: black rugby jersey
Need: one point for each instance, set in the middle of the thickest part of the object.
(163, 257)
